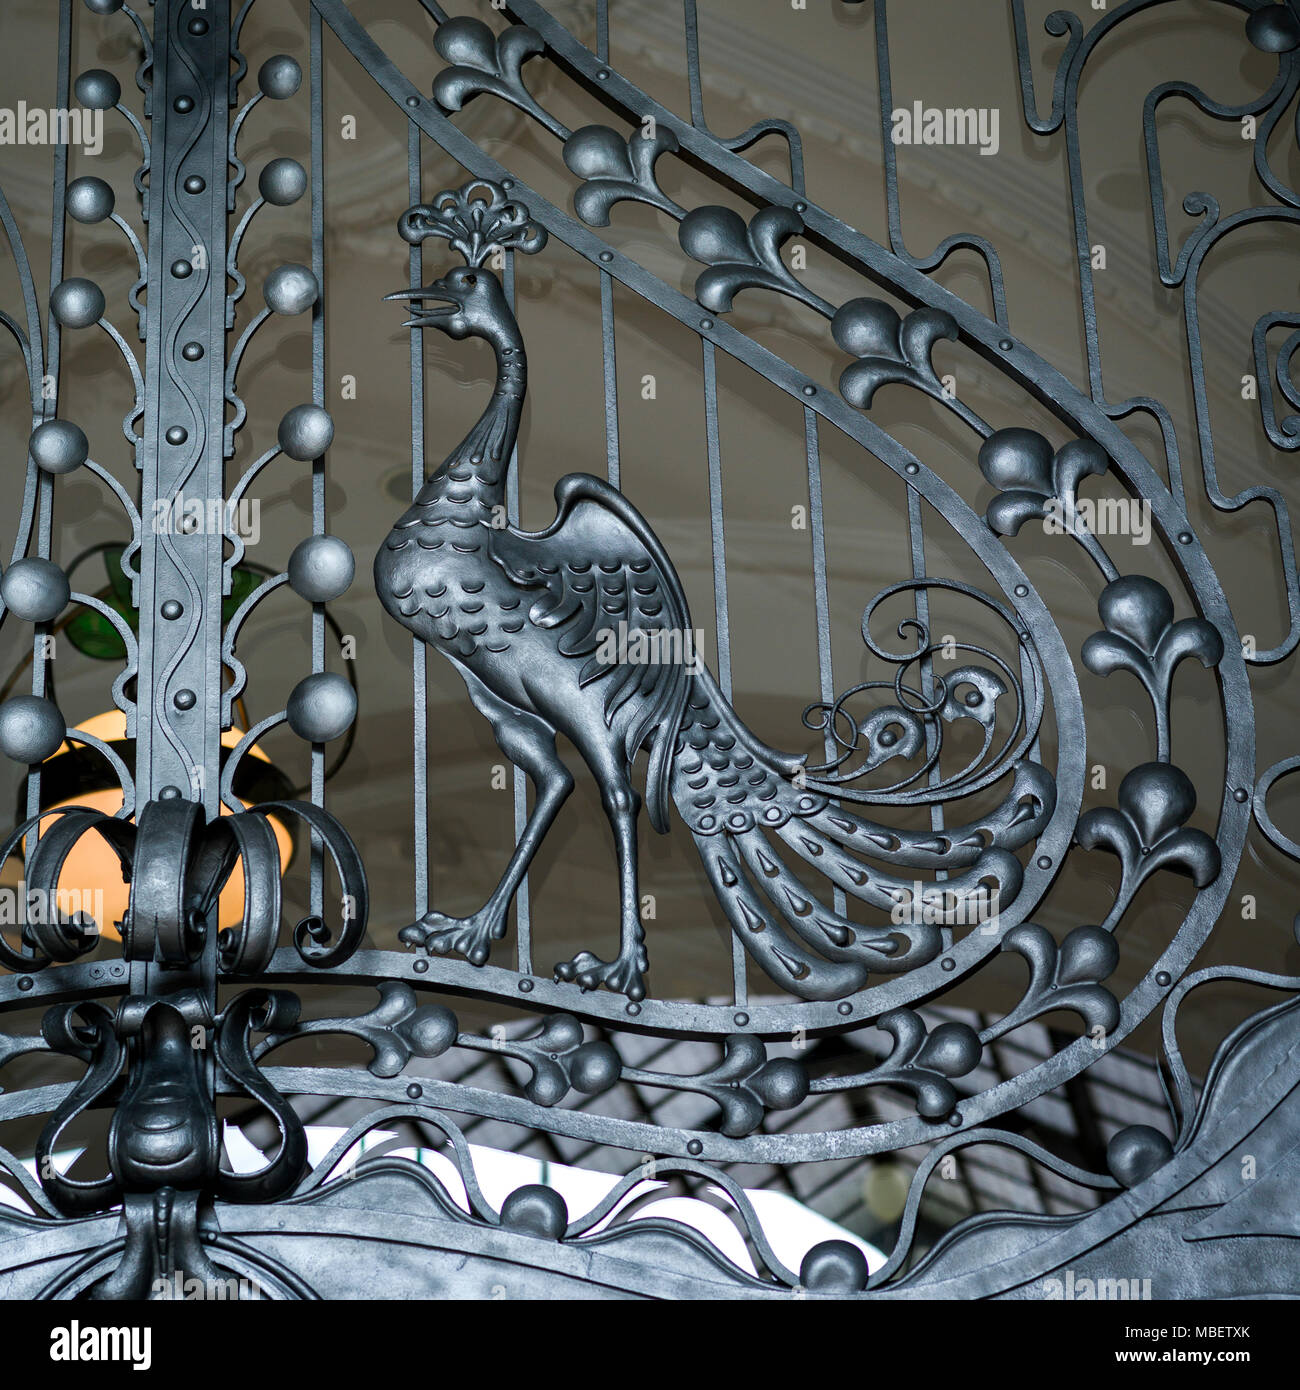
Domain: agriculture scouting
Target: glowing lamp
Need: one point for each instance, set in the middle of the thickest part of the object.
(78, 775)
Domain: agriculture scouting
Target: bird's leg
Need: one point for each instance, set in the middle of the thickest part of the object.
(625, 973)
(529, 743)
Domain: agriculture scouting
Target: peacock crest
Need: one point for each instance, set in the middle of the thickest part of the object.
(477, 219)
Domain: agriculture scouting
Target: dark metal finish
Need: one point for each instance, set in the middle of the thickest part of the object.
(582, 630)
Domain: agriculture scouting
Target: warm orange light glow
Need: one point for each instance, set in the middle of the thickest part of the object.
(92, 865)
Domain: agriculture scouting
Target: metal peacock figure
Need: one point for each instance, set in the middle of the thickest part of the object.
(525, 617)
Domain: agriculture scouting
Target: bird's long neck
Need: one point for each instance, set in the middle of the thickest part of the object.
(472, 478)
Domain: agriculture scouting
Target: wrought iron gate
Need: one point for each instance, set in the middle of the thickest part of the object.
(956, 816)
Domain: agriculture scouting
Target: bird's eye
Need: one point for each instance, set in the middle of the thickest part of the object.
(471, 280)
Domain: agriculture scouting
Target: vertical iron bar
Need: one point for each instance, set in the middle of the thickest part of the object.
(821, 594)
(921, 599)
(45, 484)
(523, 913)
(722, 620)
(609, 362)
(419, 667)
(317, 867)
(178, 746)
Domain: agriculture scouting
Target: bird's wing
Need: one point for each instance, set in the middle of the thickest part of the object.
(613, 598)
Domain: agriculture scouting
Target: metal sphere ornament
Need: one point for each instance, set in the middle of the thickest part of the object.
(321, 707)
(290, 289)
(77, 302)
(540, 1211)
(279, 77)
(321, 568)
(89, 199)
(282, 181)
(58, 446)
(305, 432)
(31, 729)
(35, 590)
(97, 89)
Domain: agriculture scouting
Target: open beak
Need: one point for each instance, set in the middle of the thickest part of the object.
(423, 316)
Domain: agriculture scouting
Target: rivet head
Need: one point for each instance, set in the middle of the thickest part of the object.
(846, 1009)
(606, 255)
(1240, 794)
(947, 963)
(955, 1119)
(414, 1091)
(525, 986)
(694, 1147)
(1044, 861)
(169, 793)
(184, 699)
(810, 390)
(25, 983)
(184, 105)
(1184, 538)
(171, 610)
(178, 434)
(198, 26)
(741, 1020)
(1163, 977)
(195, 184)
(634, 1009)
(182, 269)
(1021, 591)
(1006, 344)
(192, 352)
(413, 101)
(913, 468)
(706, 323)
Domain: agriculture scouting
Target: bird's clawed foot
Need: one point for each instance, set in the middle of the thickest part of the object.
(471, 937)
(624, 975)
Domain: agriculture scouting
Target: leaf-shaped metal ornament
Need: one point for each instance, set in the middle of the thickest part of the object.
(1142, 637)
(481, 61)
(397, 1029)
(559, 1060)
(1031, 479)
(888, 347)
(1148, 832)
(1064, 977)
(743, 256)
(745, 1084)
(920, 1062)
(614, 170)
